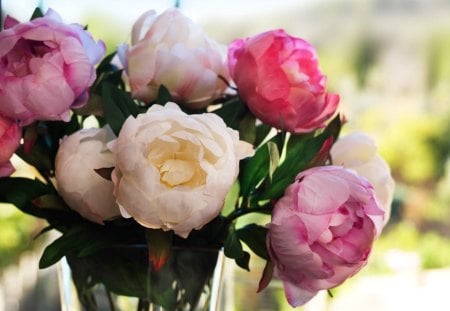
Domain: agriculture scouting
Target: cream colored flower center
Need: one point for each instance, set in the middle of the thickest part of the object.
(176, 172)
(178, 162)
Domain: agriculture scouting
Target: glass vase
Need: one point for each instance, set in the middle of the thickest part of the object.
(120, 278)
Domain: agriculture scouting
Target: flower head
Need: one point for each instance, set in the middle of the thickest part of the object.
(322, 230)
(174, 170)
(170, 50)
(278, 77)
(46, 68)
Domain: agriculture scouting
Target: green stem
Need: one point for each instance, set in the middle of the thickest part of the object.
(143, 305)
(110, 300)
(265, 209)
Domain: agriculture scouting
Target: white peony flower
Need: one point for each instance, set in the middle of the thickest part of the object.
(171, 50)
(173, 170)
(80, 186)
(358, 152)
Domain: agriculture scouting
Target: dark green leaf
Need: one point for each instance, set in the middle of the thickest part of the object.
(36, 13)
(52, 201)
(163, 96)
(232, 112)
(105, 65)
(79, 241)
(262, 130)
(257, 168)
(301, 151)
(255, 238)
(233, 249)
(247, 128)
(117, 105)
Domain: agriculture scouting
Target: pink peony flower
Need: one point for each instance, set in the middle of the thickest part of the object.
(46, 68)
(278, 77)
(10, 135)
(171, 50)
(322, 230)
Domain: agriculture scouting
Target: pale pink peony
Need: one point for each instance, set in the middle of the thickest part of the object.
(278, 78)
(80, 186)
(171, 50)
(358, 152)
(173, 170)
(10, 134)
(322, 230)
(46, 68)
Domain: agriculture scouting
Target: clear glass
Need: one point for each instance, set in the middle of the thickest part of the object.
(121, 279)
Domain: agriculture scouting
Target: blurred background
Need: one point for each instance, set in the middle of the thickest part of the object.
(389, 61)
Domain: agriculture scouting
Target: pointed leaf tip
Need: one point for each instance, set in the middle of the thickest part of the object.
(159, 244)
(266, 277)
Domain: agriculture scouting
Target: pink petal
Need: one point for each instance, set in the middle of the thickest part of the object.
(297, 296)
(6, 169)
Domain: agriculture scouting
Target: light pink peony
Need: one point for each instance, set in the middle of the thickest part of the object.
(171, 50)
(10, 134)
(278, 78)
(322, 231)
(46, 68)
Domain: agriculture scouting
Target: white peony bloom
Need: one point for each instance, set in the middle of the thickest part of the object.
(80, 186)
(171, 50)
(358, 152)
(173, 170)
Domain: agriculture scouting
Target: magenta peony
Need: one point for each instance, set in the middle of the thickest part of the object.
(322, 230)
(278, 78)
(10, 134)
(46, 68)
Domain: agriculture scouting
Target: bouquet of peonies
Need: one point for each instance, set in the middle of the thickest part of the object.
(187, 139)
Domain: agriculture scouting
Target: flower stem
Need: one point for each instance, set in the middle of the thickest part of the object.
(110, 300)
(265, 209)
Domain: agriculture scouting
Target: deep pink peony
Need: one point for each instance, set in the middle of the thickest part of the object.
(46, 68)
(322, 230)
(278, 77)
(10, 135)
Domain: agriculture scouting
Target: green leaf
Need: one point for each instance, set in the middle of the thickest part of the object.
(232, 112)
(117, 105)
(256, 168)
(262, 130)
(79, 241)
(274, 156)
(163, 96)
(247, 128)
(231, 199)
(37, 13)
(21, 192)
(301, 151)
(50, 201)
(255, 237)
(233, 249)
